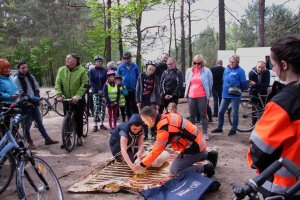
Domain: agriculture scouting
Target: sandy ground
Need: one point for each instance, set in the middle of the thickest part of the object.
(71, 167)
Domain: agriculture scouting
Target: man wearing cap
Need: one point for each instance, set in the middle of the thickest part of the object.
(97, 79)
(130, 73)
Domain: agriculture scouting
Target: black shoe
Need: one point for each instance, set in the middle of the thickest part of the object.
(79, 141)
(212, 156)
(217, 130)
(62, 146)
(231, 133)
(209, 170)
(210, 120)
(215, 115)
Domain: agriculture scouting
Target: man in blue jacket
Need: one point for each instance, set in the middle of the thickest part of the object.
(129, 72)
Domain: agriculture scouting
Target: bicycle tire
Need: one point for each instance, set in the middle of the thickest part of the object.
(30, 175)
(247, 113)
(7, 168)
(59, 108)
(68, 132)
(44, 106)
(85, 124)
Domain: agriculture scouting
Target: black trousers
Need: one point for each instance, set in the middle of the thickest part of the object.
(131, 107)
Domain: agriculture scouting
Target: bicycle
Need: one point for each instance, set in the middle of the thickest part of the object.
(34, 177)
(46, 106)
(69, 129)
(249, 112)
(252, 185)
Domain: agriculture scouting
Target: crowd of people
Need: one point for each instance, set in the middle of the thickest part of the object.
(148, 100)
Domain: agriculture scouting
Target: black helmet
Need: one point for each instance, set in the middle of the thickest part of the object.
(118, 77)
(98, 58)
(150, 62)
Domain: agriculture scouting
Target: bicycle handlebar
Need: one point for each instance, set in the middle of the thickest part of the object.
(251, 186)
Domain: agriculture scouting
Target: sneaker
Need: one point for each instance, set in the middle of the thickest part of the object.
(206, 137)
(215, 115)
(210, 120)
(231, 133)
(49, 141)
(62, 146)
(79, 141)
(212, 156)
(95, 129)
(103, 127)
(209, 170)
(31, 146)
(217, 130)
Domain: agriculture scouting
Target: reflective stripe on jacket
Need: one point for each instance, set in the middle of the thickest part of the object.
(277, 135)
(179, 132)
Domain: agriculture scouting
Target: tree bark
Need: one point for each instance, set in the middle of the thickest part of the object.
(120, 42)
(139, 39)
(222, 37)
(182, 50)
(108, 33)
(171, 28)
(261, 23)
(190, 33)
(175, 35)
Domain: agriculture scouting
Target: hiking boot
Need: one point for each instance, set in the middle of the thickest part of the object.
(49, 141)
(209, 170)
(79, 141)
(217, 130)
(212, 156)
(95, 129)
(231, 133)
(31, 146)
(103, 127)
(206, 137)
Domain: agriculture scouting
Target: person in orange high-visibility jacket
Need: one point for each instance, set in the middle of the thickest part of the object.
(277, 133)
(183, 136)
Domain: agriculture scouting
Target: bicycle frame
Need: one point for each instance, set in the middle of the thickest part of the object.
(7, 144)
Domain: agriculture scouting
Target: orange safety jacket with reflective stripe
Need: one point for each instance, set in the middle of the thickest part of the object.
(277, 134)
(180, 133)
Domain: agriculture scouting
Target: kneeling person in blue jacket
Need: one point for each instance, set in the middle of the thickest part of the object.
(125, 137)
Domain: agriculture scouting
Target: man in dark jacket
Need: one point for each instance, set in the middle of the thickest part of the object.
(97, 79)
(217, 73)
(171, 83)
(129, 72)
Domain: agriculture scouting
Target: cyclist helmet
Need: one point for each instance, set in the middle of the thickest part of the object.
(118, 77)
(150, 62)
(110, 72)
(98, 58)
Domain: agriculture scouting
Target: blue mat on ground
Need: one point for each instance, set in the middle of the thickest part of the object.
(188, 186)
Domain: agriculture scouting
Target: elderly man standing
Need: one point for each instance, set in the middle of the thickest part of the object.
(97, 79)
(129, 71)
(171, 83)
(161, 66)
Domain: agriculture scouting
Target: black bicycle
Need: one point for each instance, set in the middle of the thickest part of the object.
(46, 106)
(35, 178)
(252, 185)
(69, 128)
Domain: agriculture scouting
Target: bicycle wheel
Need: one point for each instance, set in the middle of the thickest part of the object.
(85, 124)
(44, 106)
(59, 108)
(7, 168)
(68, 132)
(30, 183)
(248, 116)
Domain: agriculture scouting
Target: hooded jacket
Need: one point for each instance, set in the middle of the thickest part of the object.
(124, 130)
(8, 88)
(71, 82)
(262, 82)
(130, 74)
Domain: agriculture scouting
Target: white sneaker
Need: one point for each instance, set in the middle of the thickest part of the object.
(206, 137)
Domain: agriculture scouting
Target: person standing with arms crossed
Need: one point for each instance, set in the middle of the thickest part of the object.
(70, 83)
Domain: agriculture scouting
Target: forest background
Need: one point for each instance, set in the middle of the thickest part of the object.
(43, 32)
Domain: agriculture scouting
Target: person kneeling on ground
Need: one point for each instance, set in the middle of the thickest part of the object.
(125, 137)
(183, 136)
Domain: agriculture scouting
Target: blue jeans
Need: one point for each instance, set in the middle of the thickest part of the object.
(235, 103)
(32, 112)
(217, 96)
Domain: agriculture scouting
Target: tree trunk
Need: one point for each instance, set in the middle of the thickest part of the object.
(182, 53)
(105, 28)
(261, 24)
(190, 34)
(139, 39)
(171, 28)
(108, 33)
(222, 37)
(175, 35)
(120, 43)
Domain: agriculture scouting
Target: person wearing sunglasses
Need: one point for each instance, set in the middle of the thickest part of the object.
(199, 83)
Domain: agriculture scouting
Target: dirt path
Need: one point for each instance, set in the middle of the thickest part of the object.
(71, 167)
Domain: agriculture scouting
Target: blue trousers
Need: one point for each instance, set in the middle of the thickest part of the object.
(235, 103)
